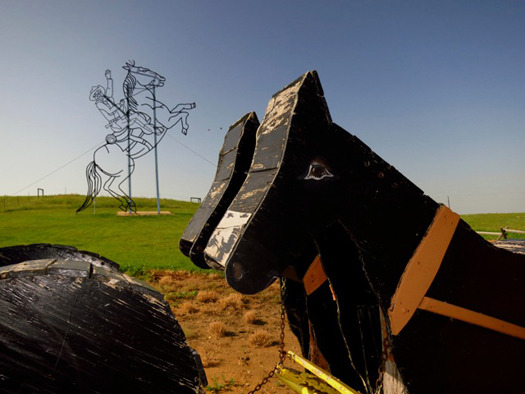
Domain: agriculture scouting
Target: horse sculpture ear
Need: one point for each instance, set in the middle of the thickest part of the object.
(246, 242)
(129, 64)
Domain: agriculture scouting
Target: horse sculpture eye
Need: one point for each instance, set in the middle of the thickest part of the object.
(318, 171)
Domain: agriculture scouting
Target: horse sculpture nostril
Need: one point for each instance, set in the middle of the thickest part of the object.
(237, 270)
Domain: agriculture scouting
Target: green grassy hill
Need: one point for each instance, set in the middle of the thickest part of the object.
(133, 242)
(141, 242)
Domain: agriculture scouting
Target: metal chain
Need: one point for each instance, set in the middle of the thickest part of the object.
(282, 353)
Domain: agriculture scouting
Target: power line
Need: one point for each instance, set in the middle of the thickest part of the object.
(97, 145)
(191, 150)
(59, 168)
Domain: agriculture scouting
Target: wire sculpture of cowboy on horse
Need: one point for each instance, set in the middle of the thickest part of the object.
(138, 122)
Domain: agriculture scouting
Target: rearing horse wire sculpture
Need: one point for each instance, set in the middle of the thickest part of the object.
(138, 122)
(311, 181)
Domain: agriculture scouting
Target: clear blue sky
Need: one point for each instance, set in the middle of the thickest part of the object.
(434, 87)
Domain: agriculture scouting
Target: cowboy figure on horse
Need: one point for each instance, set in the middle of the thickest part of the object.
(116, 116)
(138, 123)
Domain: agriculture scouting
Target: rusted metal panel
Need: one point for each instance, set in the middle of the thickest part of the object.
(70, 326)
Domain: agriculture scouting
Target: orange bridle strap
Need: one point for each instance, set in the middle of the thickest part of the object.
(315, 276)
(422, 268)
(419, 275)
(466, 315)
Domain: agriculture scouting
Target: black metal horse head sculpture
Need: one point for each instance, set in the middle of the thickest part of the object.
(234, 160)
(449, 325)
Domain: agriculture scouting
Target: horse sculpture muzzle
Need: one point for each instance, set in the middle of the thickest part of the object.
(234, 160)
(246, 272)
(246, 242)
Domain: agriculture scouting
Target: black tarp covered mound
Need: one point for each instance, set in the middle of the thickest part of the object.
(71, 322)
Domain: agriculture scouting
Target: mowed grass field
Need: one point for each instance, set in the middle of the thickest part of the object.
(137, 243)
(133, 242)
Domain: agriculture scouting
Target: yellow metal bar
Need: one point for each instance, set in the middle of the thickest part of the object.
(322, 374)
(303, 383)
(291, 384)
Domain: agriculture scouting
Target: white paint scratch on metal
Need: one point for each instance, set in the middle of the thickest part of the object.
(225, 235)
(279, 106)
(217, 190)
(392, 381)
(113, 283)
(154, 301)
(252, 193)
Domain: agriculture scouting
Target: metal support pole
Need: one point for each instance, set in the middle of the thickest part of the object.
(129, 155)
(156, 155)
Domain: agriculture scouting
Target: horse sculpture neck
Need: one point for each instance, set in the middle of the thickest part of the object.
(311, 181)
(384, 213)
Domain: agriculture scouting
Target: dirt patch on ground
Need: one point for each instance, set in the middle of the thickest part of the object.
(236, 335)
